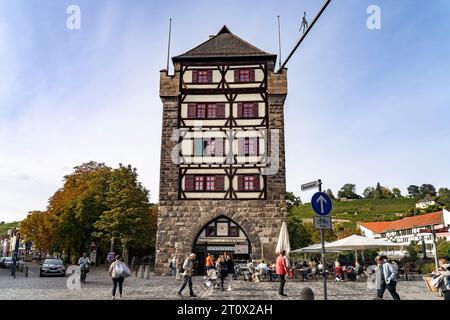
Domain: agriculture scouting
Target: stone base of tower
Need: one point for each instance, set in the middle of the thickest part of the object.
(179, 224)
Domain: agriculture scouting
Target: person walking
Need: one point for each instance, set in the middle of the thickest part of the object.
(221, 267)
(173, 266)
(188, 269)
(116, 270)
(441, 278)
(385, 278)
(230, 271)
(209, 263)
(281, 271)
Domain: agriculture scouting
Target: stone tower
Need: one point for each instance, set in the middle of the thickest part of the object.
(222, 175)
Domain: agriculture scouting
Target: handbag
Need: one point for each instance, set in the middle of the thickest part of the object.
(126, 272)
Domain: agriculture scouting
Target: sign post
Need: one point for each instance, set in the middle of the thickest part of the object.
(322, 206)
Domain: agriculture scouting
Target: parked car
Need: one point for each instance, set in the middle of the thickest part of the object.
(52, 267)
(6, 262)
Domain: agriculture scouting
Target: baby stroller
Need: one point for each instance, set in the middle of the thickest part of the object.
(212, 279)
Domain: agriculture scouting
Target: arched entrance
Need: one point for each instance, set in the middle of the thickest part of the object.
(219, 237)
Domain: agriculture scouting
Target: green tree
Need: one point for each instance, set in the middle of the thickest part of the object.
(427, 190)
(412, 251)
(129, 218)
(443, 249)
(330, 194)
(369, 193)
(292, 201)
(299, 236)
(444, 196)
(348, 191)
(386, 193)
(329, 235)
(414, 191)
(396, 192)
(78, 205)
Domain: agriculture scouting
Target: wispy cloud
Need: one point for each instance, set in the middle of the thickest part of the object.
(363, 106)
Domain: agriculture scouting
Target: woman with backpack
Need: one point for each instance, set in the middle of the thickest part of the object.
(118, 271)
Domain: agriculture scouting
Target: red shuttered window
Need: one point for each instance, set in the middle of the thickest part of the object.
(251, 147)
(202, 76)
(199, 183)
(248, 110)
(201, 111)
(248, 183)
(211, 114)
(206, 111)
(204, 183)
(244, 75)
(189, 183)
(211, 183)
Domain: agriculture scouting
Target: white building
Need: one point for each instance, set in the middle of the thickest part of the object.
(410, 229)
(426, 203)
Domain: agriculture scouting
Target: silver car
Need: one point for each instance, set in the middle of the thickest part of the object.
(52, 267)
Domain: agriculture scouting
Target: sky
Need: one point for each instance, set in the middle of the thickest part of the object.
(364, 106)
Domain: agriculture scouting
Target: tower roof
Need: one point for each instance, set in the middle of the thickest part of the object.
(224, 45)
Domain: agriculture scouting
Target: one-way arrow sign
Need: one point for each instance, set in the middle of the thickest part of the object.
(321, 203)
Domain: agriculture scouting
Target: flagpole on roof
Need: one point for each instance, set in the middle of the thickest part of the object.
(279, 41)
(168, 48)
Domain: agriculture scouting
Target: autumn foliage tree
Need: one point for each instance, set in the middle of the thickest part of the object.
(78, 205)
(128, 218)
(95, 203)
(37, 227)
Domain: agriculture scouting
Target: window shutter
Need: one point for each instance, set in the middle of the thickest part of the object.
(220, 183)
(240, 110)
(220, 143)
(189, 183)
(194, 76)
(257, 183)
(252, 75)
(198, 147)
(192, 111)
(255, 109)
(220, 110)
(210, 76)
(241, 147)
(240, 183)
(236, 75)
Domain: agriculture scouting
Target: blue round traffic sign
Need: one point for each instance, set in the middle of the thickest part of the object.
(321, 204)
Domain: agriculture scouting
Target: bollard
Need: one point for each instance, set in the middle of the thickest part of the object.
(26, 271)
(147, 272)
(141, 271)
(306, 294)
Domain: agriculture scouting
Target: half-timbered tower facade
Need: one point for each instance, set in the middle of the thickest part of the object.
(222, 177)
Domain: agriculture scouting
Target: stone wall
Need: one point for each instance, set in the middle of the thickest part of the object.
(180, 222)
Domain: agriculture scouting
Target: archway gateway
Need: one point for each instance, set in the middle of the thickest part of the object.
(221, 236)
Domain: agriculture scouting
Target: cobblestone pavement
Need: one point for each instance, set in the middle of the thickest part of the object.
(98, 287)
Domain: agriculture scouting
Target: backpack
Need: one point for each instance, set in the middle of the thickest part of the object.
(180, 267)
